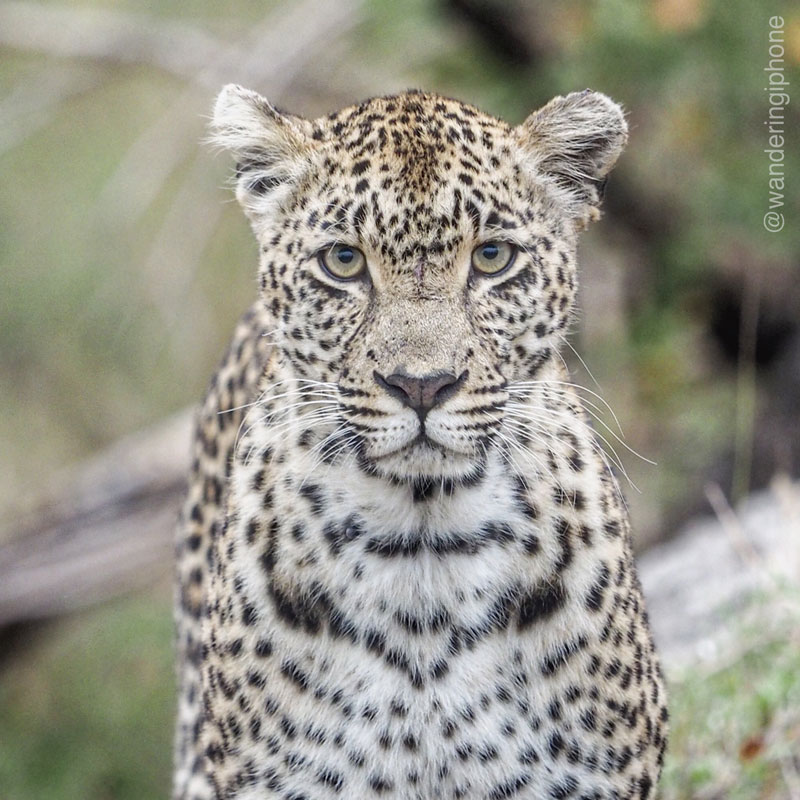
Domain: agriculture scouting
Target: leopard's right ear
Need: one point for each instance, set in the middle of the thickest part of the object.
(271, 148)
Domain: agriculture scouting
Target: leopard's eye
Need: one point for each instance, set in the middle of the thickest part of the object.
(342, 261)
(491, 258)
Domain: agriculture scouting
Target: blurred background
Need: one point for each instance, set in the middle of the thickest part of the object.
(124, 263)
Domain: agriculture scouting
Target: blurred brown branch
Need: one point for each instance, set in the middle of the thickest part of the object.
(276, 51)
(105, 528)
(67, 32)
(176, 47)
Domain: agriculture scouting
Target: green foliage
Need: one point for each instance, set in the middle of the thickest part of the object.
(735, 729)
(87, 713)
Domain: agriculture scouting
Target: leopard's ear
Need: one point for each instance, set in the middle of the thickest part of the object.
(271, 148)
(573, 142)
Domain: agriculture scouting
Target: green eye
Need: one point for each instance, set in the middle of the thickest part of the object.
(342, 261)
(491, 258)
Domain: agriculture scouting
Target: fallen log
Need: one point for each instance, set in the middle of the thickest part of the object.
(102, 529)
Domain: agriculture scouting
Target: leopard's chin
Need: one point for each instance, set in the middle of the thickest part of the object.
(425, 459)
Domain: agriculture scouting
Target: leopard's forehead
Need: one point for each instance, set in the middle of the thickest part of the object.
(410, 124)
(419, 141)
(421, 172)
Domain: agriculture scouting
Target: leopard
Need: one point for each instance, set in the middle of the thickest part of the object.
(404, 562)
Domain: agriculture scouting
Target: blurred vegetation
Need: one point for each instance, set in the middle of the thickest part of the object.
(87, 713)
(124, 264)
(735, 728)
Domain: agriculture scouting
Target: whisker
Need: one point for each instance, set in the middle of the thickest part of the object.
(542, 427)
(595, 416)
(557, 383)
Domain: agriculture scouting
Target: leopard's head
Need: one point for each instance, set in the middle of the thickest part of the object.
(418, 256)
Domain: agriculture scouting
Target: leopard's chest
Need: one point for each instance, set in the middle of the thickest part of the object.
(348, 723)
(440, 642)
(482, 719)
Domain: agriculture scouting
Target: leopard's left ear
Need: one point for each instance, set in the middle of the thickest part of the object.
(574, 141)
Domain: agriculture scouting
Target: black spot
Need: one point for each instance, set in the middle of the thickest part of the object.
(375, 641)
(564, 533)
(541, 602)
(439, 669)
(328, 777)
(594, 599)
(531, 544)
(359, 217)
(263, 648)
(304, 611)
(562, 654)
(235, 647)
(333, 535)
(473, 213)
(488, 753)
(563, 789)
(257, 679)
(251, 530)
(288, 728)
(423, 489)
(397, 659)
(380, 785)
(510, 787)
(396, 545)
(292, 671)
(398, 709)
(497, 532)
(314, 495)
(340, 626)
(194, 541)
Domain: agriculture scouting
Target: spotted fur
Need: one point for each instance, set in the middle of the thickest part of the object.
(378, 601)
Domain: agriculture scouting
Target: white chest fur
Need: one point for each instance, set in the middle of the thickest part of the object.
(429, 644)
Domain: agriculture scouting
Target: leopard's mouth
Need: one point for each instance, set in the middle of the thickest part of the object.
(442, 445)
(423, 444)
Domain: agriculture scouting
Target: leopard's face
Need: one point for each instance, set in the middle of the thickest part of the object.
(418, 259)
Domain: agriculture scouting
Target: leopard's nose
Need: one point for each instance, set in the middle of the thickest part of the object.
(421, 392)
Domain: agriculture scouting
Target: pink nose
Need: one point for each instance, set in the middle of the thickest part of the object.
(423, 392)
